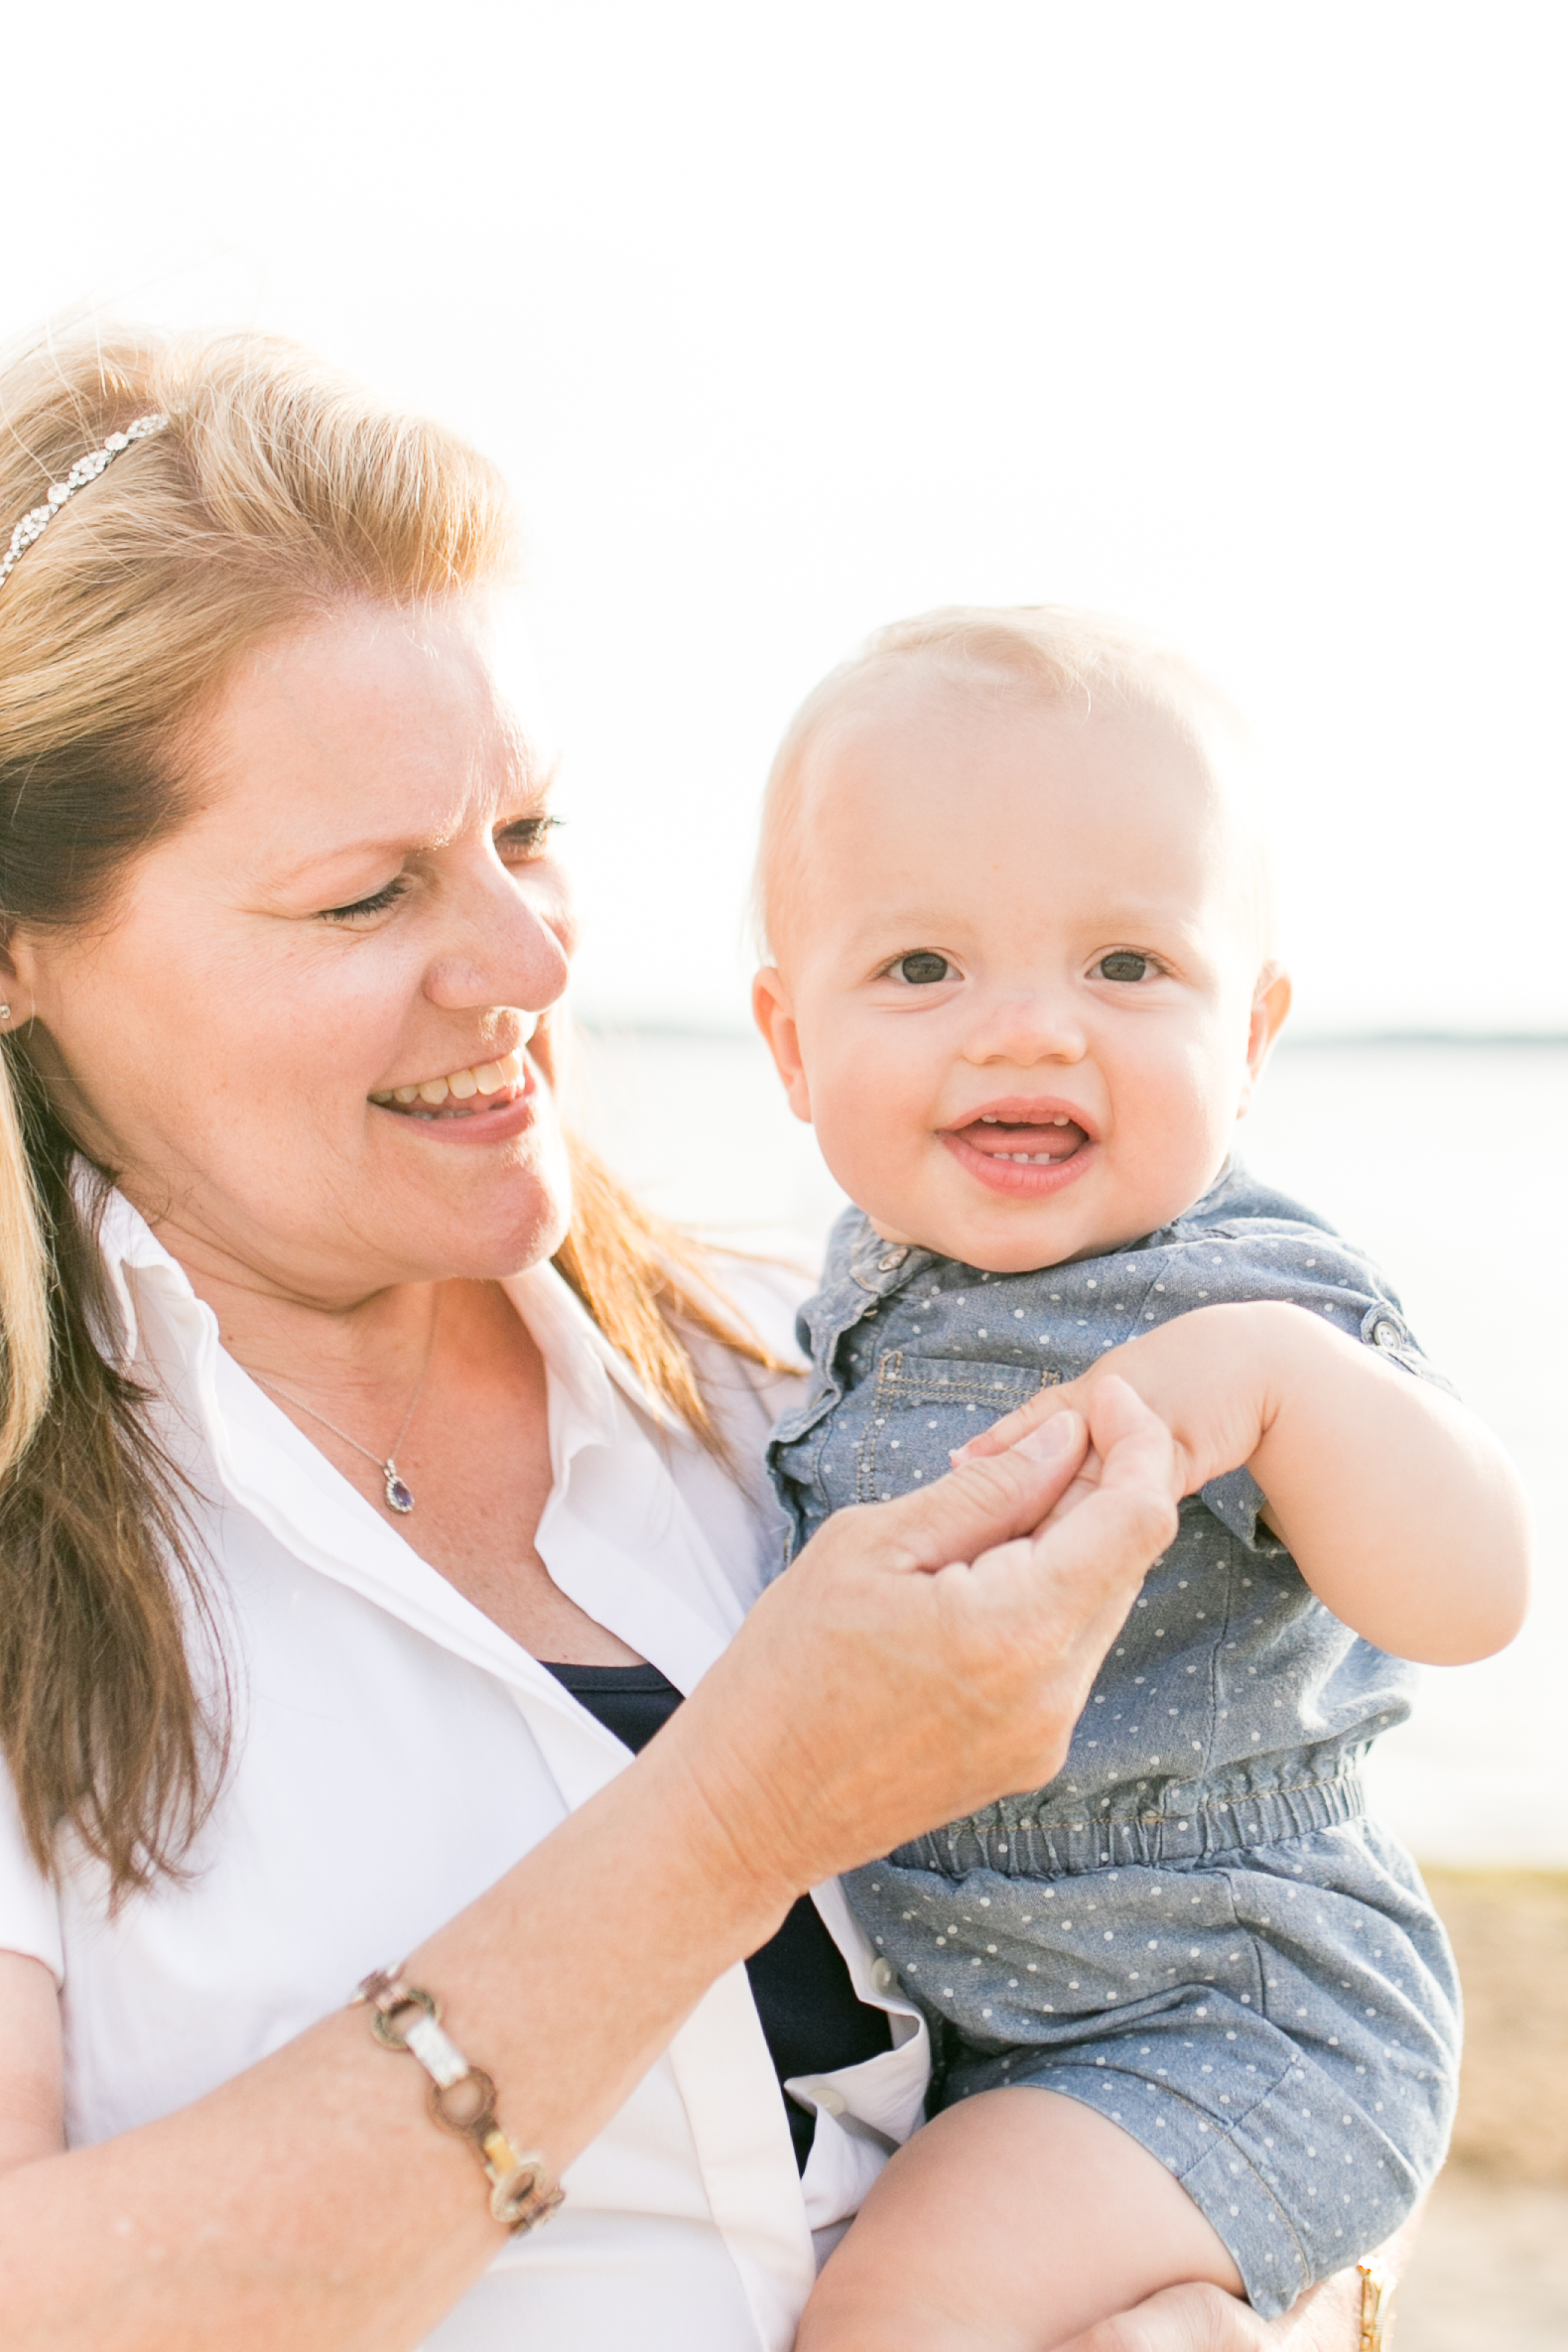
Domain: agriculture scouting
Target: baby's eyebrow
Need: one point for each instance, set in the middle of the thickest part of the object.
(885, 931)
(911, 924)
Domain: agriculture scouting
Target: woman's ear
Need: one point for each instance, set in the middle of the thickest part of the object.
(17, 990)
(775, 1018)
(1270, 1003)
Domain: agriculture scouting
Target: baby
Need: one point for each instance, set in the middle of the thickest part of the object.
(1193, 2016)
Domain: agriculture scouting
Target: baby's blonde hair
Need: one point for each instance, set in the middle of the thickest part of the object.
(1049, 653)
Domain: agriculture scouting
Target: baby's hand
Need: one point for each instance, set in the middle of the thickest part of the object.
(1210, 1376)
(1401, 1512)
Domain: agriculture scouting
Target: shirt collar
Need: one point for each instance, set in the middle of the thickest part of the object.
(271, 1469)
(580, 1360)
(131, 1251)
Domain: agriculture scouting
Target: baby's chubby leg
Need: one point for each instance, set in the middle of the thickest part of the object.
(1009, 2224)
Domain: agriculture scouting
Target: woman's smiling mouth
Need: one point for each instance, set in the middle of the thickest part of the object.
(479, 1088)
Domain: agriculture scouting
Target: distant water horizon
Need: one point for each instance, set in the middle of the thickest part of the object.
(1437, 1153)
(602, 1023)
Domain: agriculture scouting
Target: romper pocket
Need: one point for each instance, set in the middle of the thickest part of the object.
(925, 1407)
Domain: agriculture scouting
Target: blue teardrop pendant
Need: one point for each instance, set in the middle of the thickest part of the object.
(398, 1495)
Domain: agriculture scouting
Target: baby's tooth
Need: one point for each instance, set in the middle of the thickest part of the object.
(488, 1077)
(434, 1091)
(1061, 1122)
(405, 1094)
(464, 1083)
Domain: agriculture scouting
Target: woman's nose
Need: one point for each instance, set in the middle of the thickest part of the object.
(514, 949)
(1025, 1029)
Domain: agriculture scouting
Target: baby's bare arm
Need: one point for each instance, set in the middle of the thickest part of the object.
(1399, 1506)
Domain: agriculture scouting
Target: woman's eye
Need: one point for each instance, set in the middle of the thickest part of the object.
(923, 968)
(1124, 965)
(376, 904)
(527, 836)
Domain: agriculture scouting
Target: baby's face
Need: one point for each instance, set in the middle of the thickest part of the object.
(1017, 990)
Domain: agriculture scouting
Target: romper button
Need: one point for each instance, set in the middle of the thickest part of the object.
(832, 2101)
(1385, 1334)
(884, 1976)
(894, 1258)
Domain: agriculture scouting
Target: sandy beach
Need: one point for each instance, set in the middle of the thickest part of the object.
(1490, 2270)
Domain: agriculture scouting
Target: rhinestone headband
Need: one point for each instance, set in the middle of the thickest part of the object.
(86, 470)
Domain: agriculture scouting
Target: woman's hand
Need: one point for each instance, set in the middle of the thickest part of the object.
(910, 1668)
(1201, 2318)
(1205, 2319)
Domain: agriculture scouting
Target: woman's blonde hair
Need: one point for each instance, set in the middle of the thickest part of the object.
(278, 490)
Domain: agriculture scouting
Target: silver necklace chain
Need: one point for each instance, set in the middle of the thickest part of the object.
(397, 1492)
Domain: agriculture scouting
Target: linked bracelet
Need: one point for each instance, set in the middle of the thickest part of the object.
(523, 2190)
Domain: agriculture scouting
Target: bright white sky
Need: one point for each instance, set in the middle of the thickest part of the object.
(787, 318)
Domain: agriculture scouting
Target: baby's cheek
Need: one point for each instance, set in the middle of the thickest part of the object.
(874, 1119)
(1172, 1157)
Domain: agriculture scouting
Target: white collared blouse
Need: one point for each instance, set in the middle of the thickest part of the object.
(394, 1754)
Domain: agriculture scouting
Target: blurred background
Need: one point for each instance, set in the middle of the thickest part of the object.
(784, 320)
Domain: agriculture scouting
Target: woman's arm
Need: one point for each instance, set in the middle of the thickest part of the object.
(311, 2202)
(1399, 1506)
(32, 2103)
(1179, 2319)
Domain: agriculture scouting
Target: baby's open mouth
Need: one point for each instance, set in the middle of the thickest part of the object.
(1042, 1141)
(460, 1094)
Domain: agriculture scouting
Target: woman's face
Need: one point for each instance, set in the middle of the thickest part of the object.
(364, 900)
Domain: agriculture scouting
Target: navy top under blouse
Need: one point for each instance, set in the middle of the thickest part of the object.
(812, 2018)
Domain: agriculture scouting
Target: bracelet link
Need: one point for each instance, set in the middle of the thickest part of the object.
(406, 2019)
(1376, 2312)
(523, 2192)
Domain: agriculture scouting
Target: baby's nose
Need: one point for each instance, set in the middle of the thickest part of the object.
(1026, 1030)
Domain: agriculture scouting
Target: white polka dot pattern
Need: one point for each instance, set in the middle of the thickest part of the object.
(1193, 1927)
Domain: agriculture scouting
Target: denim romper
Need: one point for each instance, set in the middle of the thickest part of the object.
(1195, 1927)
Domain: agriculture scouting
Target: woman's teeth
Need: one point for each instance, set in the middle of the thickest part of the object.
(482, 1078)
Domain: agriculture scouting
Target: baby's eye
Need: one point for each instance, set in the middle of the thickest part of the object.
(1123, 964)
(923, 968)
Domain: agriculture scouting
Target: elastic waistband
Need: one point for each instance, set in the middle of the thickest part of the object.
(1016, 1843)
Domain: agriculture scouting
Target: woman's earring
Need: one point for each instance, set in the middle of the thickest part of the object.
(5, 1012)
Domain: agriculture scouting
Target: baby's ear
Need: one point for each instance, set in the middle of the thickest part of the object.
(1270, 1003)
(775, 1018)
